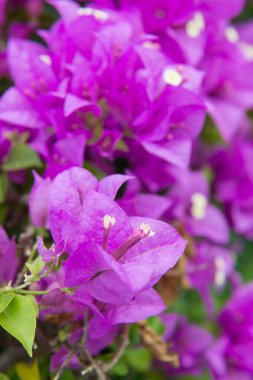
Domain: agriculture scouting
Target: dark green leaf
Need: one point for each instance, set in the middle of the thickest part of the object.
(3, 186)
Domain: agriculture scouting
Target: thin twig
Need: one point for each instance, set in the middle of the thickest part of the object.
(123, 345)
(66, 362)
(94, 365)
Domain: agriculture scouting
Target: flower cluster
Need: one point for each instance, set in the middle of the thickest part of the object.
(135, 117)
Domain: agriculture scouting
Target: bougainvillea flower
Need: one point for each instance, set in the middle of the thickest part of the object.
(211, 265)
(190, 342)
(229, 357)
(38, 201)
(234, 183)
(140, 250)
(190, 205)
(8, 259)
(105, 318)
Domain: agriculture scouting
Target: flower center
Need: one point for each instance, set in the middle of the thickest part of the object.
(247, 50)
(98, 14)
(143, 231)
(199, 205)
(232, 34)
(220, 273)
(195, 26)
(45, 59)
(172, 77)
(108, 222)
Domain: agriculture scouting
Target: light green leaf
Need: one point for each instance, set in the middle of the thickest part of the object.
(5, 299)
(3, 186)
(21, 157)
(19, 320)
(36, 267)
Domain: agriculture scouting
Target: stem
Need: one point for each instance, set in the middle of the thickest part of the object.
(32, 292)
(94, 365)
(121, 350)
(66, 362)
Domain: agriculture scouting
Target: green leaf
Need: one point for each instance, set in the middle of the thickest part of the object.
(21, 157)
(3, 377)
(3, 186)
(5, 299)
(36, 267)
(67, 375)
(138, 358)
(120, 369)
(19, 320)
(4, 209)
(156, 325)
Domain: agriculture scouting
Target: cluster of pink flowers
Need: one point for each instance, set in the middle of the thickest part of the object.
(136, 113)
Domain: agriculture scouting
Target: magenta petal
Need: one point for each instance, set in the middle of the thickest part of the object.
(74, 103)
(38, 201)
(156, 254)
(110, 185)
(86, 263)
(16, 109)
(143, 305)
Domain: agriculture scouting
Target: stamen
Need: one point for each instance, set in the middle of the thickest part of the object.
(195, 26)
(220, 273)
(232, 34)
(143, 231)
(46, 59)
(172, 77)
(146, 230)
(199, 205)
(247, 50)
(108, 222)
(151, 45)
(98, 14)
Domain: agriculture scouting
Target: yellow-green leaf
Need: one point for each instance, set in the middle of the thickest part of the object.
(28, 371)
(36, 267)
(5, 299)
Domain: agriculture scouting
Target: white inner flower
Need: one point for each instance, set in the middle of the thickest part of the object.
(146, 230)
(232, 34)
(172, 77)
(195, 26)
(151, 45)
(220, 273)
(247, 50)
(97, 13)
(108, 221)
(199, 205)
(45, 59)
